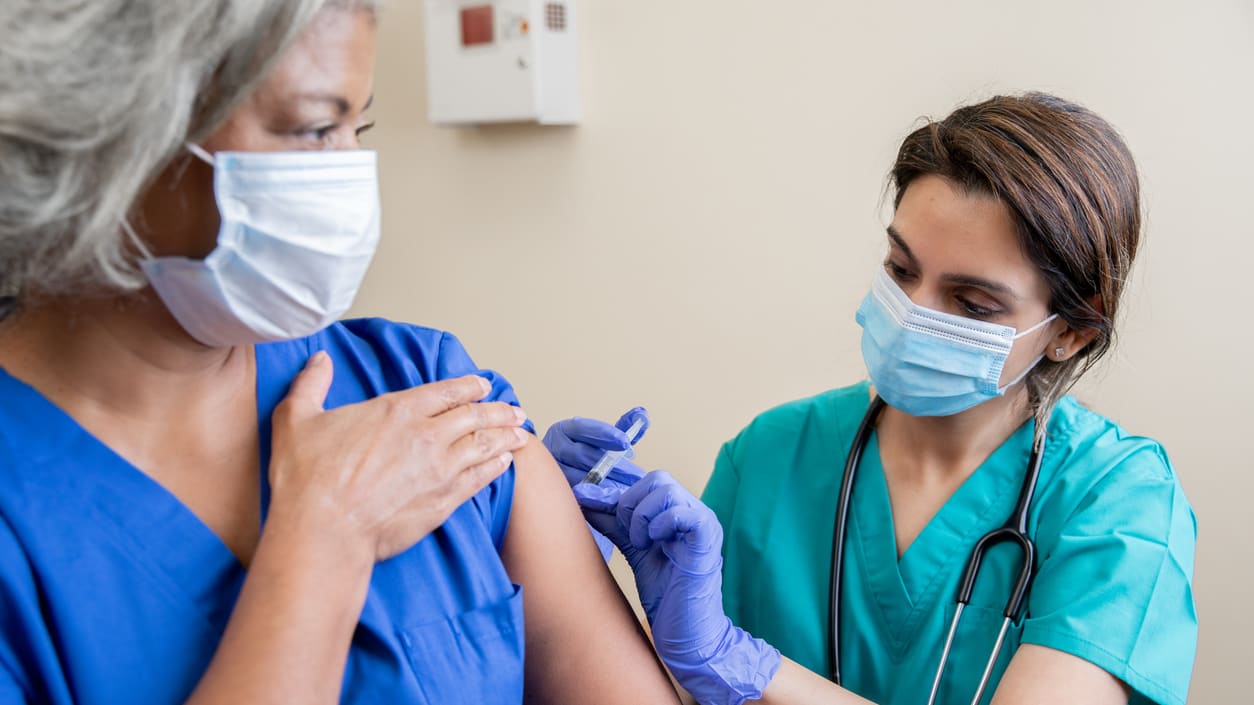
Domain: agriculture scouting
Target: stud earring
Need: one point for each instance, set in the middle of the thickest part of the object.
(1059, 351)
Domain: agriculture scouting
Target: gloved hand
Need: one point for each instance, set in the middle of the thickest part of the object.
(674, 543)
(577, 444)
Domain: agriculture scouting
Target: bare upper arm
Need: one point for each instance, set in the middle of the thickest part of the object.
(583, 642)
(1039, 674)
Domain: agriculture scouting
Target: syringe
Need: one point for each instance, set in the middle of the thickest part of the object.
(611, 457)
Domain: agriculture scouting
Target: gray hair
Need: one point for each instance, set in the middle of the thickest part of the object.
(96, 98)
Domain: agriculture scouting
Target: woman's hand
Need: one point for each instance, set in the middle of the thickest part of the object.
(673, 543)
(381, 474)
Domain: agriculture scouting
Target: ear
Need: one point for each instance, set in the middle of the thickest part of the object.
(1070, 341)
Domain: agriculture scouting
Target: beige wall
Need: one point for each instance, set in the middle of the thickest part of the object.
(700, 242)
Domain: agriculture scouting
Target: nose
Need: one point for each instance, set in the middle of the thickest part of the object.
(925, 293)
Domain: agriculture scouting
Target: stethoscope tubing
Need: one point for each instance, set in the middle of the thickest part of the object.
(1013, 531)
(840, 529)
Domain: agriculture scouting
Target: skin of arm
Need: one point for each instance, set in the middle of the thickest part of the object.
(582, 637)
(293, 622)
(1039, 674)
(1036, 675)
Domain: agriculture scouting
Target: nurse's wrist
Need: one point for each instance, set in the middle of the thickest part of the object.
(736, 670)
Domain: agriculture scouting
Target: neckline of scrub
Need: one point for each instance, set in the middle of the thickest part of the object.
(57, 435)
(906, 589)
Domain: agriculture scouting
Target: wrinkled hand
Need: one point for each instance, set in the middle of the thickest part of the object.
(673, 543)
(577, 444)
(383, 473)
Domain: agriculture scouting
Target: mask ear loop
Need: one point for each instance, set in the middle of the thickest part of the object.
(1023, 375)
(200, 153)
(133, 237)
(1036, 327)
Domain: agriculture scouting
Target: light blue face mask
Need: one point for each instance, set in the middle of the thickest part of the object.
(930, 363)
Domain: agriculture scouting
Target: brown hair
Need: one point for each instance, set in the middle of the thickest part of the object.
(1071, 186)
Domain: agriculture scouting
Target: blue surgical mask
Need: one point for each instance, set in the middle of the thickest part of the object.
(930, 363)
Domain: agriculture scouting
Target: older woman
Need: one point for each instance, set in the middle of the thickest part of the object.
(209, 491)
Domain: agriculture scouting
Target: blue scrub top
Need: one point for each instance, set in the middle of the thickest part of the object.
(112, 591)
(1113, 530)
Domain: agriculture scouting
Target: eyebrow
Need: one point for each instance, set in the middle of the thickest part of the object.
(339, 101)
(959, 279)
(900, 242)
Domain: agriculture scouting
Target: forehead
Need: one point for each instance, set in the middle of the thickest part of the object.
(333, 55)
(952, 231)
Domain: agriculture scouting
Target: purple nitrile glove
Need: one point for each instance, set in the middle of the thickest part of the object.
(674, 543)
(578, 443)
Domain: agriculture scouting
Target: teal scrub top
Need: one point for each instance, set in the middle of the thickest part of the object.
(1114, 534)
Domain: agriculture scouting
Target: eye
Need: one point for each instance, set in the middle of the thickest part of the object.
(317, 134)
(897, 271)
(365, 127)
(974, 310)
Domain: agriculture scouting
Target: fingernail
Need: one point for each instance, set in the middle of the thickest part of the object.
(522, 434)
(485, 385)
(505, 458)
(318, 358)
(519, 415)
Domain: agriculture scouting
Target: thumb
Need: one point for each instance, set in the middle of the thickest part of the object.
(309, 389)
(599, 503)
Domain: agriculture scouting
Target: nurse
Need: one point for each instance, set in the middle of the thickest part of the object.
(210, 490)
(1015, 220)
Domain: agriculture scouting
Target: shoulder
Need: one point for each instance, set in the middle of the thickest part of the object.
(828, 418)
(1095, 460)
(1116, 538)
(1098, 477)
(375, 356)
(792, 443)
(430, 353)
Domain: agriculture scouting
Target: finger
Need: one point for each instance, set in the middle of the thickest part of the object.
(577, 455)
(435, 398)
(468, 418)
(601, 499)
(625, 473)
(660, 499)
(626, 420)
(690, 536)
(309, 390)
(480, 446)
(594, 433)
(599, 504)
(632, 496)
(473, 479)
(658, 481)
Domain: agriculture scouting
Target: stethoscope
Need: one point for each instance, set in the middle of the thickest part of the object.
(1014, 531)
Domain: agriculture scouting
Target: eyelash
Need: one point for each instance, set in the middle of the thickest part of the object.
(898, 272)
(902, 274)
(974, 310)
(320, 134)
